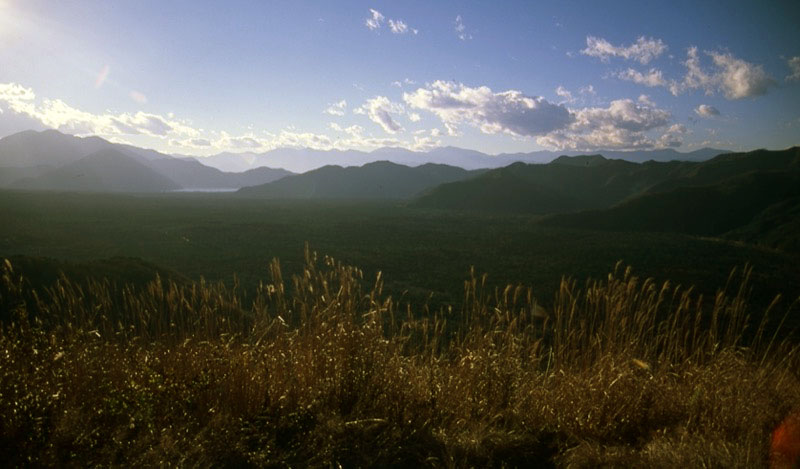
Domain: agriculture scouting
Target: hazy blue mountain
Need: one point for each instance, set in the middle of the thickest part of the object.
(377, 180)
(107, 170)
(30, 155)
(47, 148)
(304, 159)
(190, 174)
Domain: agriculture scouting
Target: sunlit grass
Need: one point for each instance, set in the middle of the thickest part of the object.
(324, 369)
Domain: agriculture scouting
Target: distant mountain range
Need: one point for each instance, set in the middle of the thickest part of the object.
(50, 160)
(304, 159)
(377, 180)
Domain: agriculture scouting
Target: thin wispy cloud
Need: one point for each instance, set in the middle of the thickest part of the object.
(643, 50)
(375, 20)
(396, 26)
(794, 66)
(336, 109)
(461, 29)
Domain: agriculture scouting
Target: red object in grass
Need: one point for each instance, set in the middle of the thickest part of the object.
(784, 451)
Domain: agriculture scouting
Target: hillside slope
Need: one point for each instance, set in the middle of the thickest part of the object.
(378, 180)
(105, 170)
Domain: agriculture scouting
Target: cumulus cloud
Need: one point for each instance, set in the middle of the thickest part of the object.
(794, 66)
(336, 109)
(739, 79)
(461, 29)
(509, 112)
(375, 20)
(652, 78)
(732, 76)
(59, 115)
(643, 50)
(706, 110)
(624, 124)
(379, 110)
(400, 27)
(587, 90)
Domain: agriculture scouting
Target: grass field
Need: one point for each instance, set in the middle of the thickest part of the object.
(419, 252)
(317, 371)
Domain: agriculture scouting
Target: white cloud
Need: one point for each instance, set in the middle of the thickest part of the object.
(461, 30)
(733, 77)
(739, 79)
(414, 117)
(706, 110)
(509, 112)
(57, 114)
(624, 124)
(379, 110)
(406, 81)
(336, 109)
(375, 20)
(794, 66)
(643, 50)
(654, 77)
(564, 93)
(588, 89)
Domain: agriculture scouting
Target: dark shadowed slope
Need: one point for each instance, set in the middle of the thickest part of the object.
(758, 203)
(566, 184)
(379, 180)
(593, 182)
(106, 170)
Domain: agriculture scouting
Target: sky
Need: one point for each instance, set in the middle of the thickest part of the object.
(200, 77)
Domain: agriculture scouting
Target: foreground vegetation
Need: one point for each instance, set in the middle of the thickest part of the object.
(326, 370)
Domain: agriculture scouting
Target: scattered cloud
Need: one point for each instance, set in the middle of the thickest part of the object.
(379, 110)
(406, 81)
(794, 66)
(587, 90)
(509, 112)
(375, 20)
(564, 93)
(643, 50)
(461, 30)
(336, 109)
(706, 110)
(400, 27)
(733, 77)
(624, 125)
(414, 117)
(652, 78)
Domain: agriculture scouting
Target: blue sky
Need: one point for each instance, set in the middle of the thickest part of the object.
(199, 78)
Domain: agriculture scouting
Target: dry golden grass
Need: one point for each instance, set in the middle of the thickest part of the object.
(326, 370)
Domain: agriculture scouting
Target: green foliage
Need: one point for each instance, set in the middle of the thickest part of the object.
(323, 369)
